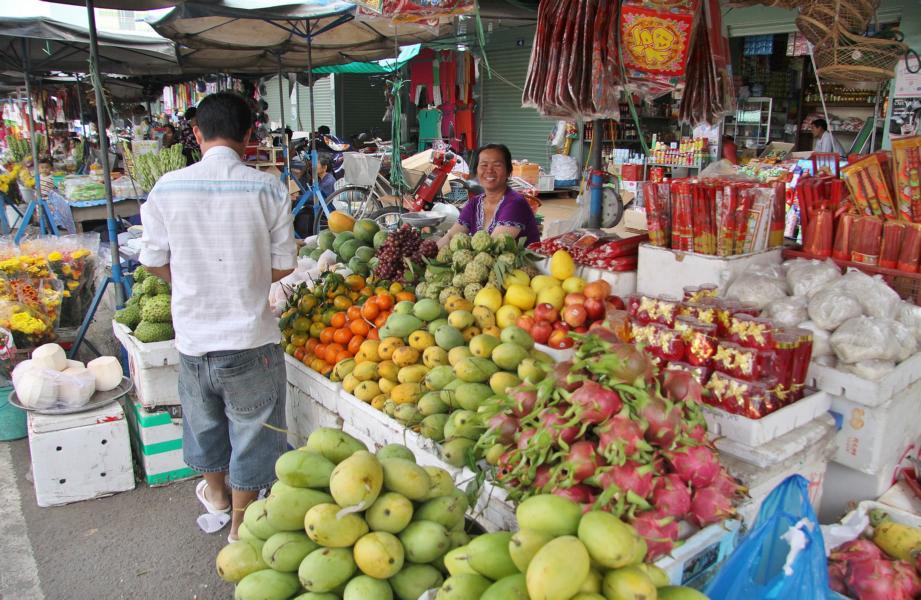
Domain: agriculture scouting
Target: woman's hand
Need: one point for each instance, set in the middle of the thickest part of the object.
(512, 231)
(446, 238)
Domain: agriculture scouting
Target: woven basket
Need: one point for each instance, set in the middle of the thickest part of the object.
(787, 4)
(817, 18)
(845, 57)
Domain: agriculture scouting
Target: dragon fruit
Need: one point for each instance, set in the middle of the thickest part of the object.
(728, 485)
(873, 580)
(660, 533)
(671, 496)
(580, 463)
(524, 400)
(859, 549)
(504, 427)
(561, 375)
(680, 386)
(664, 422)
(558, 426)
(709, 505)
(580, 493)
(620, 438)
(593, 403)
(907, 579)
(697, 465)
(837, 571)
(628, 477)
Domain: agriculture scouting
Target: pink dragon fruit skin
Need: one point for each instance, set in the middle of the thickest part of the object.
(659, 531)
(697, 465)
(671, 496)
(873, 580)
(709, 505)
(907, 579)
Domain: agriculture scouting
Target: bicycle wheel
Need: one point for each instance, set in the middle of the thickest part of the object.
(360, 200)
(388, 217)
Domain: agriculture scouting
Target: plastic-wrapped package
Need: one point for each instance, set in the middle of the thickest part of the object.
(41, 388)
(904, 337)
(865, 338)
(829, 360)
(831, 306)
(910, 317)
(757, 289)
(876, 298)
(821, 344)
(873, 370)
(788, 312)
(806, 277)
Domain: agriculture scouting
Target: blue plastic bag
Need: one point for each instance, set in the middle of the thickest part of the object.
(766, 566)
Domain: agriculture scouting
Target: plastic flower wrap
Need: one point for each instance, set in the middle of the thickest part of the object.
(43, 296)
(67, 257)
(29, 327)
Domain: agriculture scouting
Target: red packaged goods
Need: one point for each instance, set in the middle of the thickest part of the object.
(739, 397)
(910, 252)
(842, 248)
(666, 343)
(785, 343)
(867, 183)
(610, 253)
(657, 41)
(682, 217)
(892, 243)
(778, 212)
(667, 310)
(906, 155)
(726, 220)
(699, 340)
(817, 240)
(866, 240)
(658, 213)
(700, 374)
(752, 332)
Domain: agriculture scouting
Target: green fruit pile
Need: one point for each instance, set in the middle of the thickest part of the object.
(558, 554)
(344, 523)
(147, 311)
(353, 248)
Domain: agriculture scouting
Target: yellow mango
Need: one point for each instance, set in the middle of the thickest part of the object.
(405, 356)
(388, 369)
(412, 374)
(406, 393)
(421, 340)
(388, 346)
(386, 384)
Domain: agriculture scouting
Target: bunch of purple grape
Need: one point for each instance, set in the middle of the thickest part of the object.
(404, 242)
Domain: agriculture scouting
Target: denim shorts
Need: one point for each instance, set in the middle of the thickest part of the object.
(226, 398)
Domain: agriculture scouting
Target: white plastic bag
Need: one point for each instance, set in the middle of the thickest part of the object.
(41, 388)
(831, 306)
(874, 370)
(806, 277)
(821, 345)
(564, 168)
(904, 337)
(281, 289)
(910, 316)
(876, 298)
(828, 360)
(757, 289)
(787, 312)
(865, 338)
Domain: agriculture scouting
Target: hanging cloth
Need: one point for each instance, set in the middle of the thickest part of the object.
(429, 127)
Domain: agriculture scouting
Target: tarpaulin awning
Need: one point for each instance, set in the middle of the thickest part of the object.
(273, 33)
(58, 46)
(388, 65)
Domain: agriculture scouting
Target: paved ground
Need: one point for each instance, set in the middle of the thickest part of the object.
(142, 544)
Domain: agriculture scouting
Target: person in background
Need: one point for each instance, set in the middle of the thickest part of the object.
(325, 178)
(730, 150)
(170, 137)
(334, 147)
(499, 209)
(825, 141)
(190, 147)
(46, 183)
(222, 233)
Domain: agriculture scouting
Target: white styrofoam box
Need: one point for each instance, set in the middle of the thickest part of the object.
(753, 432)
(902, 497)
(80, 456)
(556, 355)
(154, 368)
(314, 384)
(697, 559)
(157, 441)
(803, 451)
(667, 271)
(871, 437)
(864, 391)
(545, 183)
(303, 414)
(623, 283)
(845, 487)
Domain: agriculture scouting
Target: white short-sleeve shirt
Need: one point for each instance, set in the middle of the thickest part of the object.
(222, 227)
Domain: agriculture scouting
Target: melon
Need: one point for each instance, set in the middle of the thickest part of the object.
(339, 222)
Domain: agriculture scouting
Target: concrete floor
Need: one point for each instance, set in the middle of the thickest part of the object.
(141, 544)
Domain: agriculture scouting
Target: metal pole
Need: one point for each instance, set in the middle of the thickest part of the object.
(313, 125)
(595, 208)
(104, 157)
(80, 108)
(281, 99)
(36, 174)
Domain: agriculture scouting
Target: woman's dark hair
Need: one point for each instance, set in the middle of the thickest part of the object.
(326, 161)
(501, 148)
(224, 115)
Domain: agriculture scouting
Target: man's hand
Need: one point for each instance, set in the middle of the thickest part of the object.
(161, 272)
(278, 274)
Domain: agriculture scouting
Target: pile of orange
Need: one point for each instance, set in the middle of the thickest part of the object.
(347, 329)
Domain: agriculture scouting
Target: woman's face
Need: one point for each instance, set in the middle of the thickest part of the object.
(491, 170)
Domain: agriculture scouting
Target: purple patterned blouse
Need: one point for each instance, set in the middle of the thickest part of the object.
(513, 211)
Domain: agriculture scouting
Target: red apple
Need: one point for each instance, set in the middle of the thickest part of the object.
(526, 322)
(541, 331)
(597, 289)
(582, 329)
(560, 340)
(594, 308)
(575, 315)
(574, 298)
(560, 325)
(615, 302)
(546, 312)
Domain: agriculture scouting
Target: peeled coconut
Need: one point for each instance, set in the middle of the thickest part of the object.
(76, 387)
(50, 356)
(75, 364)
(107, 371)
(33, 387)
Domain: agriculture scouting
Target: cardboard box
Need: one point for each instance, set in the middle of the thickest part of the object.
(530, 172)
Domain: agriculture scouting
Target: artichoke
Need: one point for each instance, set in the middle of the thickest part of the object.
(461, 241)
(475, 273)
(461, 258)
(481, 241)
(484, 259)
(471, 290)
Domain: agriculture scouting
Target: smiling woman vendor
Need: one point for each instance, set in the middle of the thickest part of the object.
(499, 209)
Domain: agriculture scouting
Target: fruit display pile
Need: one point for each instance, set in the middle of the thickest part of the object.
(402, 255)
(342, 522)
(353, 242)
(147, 311)
(598, 431)
(885, 565)
(557, 553)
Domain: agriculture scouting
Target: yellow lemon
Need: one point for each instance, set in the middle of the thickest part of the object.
(542, 282)
(562, 266)
(521, 296)
(552, 295)
(489, 297)
(507, 315)
(517, 277)
(573, 285)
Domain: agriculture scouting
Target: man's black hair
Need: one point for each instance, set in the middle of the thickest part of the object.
(821, 123)
(323, 130)
(326, 161)
(224, 115)
(190, 113)
(501, 148)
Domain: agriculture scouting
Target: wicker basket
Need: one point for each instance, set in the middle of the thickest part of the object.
(817, 18)
(787, 4)
(845, 57)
